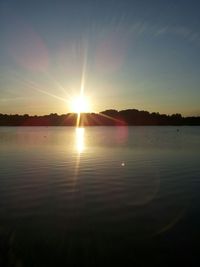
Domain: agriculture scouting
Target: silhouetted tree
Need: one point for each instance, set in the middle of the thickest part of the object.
(109, 117)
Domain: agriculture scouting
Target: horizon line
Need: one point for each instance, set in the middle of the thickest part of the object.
(93, 112)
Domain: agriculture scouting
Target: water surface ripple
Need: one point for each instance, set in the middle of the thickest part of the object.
(99, 195)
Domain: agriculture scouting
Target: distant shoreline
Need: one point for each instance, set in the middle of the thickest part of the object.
(129, 117)
(75, 126)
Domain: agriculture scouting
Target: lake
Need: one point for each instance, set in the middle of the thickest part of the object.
(98, 196)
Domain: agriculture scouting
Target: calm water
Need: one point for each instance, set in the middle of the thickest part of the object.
(99, 195)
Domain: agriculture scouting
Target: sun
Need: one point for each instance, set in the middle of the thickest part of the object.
(80, 104)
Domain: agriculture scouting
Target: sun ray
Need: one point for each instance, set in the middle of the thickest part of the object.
(78, 120)
(80, 105)
(109, 117)
(52, 95)
(83, 74)
(36, 87)
(58, 84)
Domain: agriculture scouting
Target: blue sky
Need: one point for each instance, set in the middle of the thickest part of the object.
(131, 54)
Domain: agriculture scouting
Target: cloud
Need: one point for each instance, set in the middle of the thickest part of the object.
(161, 31)
(182, 31)
(145, 28)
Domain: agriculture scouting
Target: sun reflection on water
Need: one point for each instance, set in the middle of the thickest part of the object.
(80, 143)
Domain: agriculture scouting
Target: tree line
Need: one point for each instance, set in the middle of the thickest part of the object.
(109, 117)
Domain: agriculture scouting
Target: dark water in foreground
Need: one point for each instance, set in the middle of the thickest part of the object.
(99, 195)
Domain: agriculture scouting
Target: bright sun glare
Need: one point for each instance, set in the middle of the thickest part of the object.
(80, 105)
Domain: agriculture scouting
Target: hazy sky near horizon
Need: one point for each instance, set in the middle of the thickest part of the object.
(128, 54)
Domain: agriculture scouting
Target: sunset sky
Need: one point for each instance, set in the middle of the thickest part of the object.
(125, 54)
